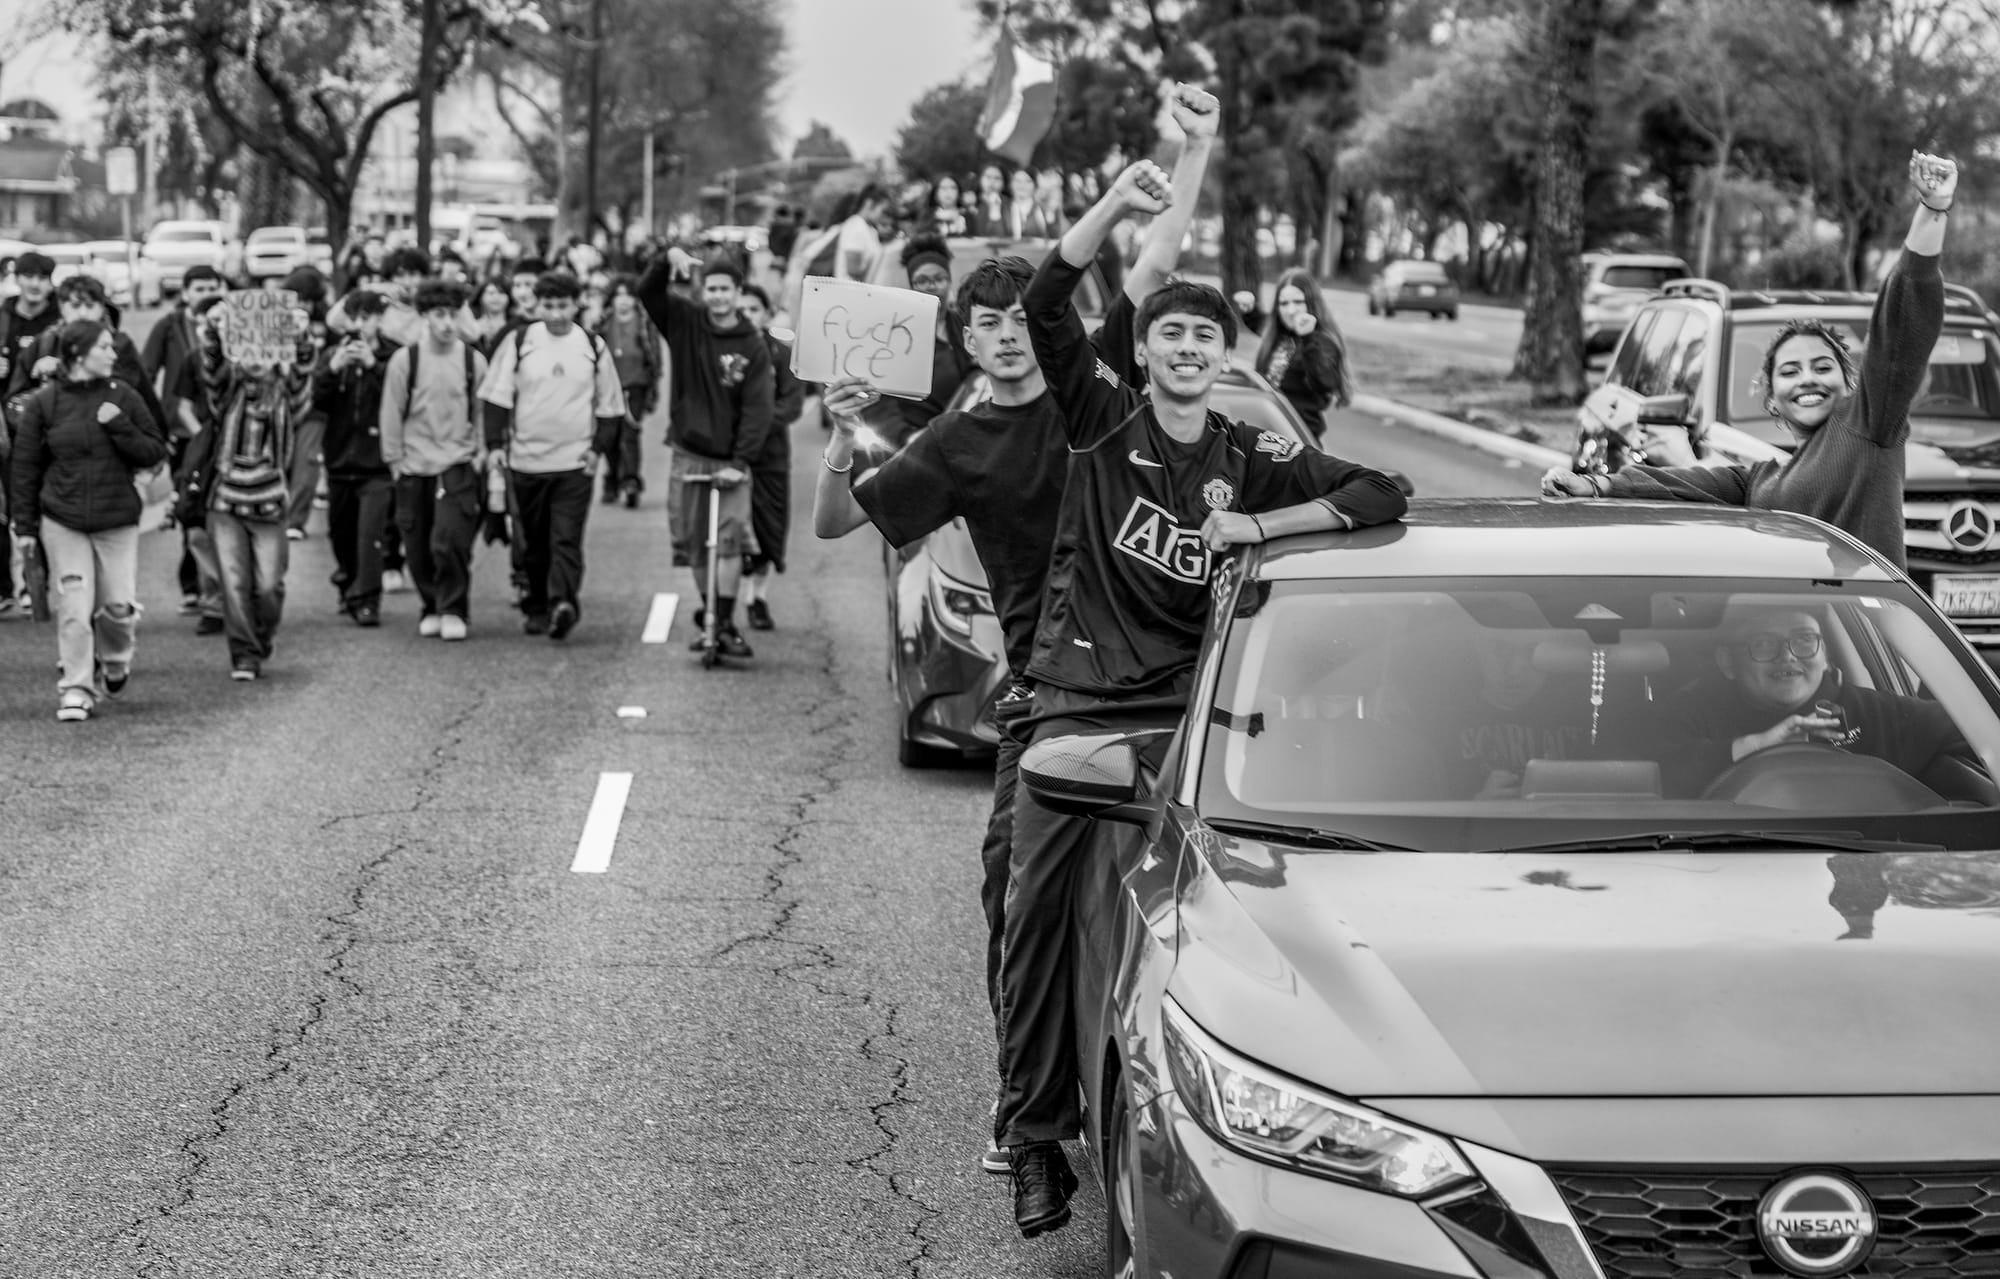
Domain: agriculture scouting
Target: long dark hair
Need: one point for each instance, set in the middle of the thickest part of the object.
(75, 340)
(1274, 328)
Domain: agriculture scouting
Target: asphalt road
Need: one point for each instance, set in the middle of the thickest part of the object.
(300, 979)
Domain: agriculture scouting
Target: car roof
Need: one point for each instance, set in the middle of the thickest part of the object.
(1530, 537)
(1779, 305)
(273, 232)
(1636, 259)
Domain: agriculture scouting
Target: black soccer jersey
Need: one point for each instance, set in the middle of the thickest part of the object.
(1127, 593)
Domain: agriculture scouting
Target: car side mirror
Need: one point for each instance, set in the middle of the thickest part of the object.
(1663, 410)
(1086, 775)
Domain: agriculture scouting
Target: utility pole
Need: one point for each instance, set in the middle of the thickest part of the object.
(596, 120)
(427, 56)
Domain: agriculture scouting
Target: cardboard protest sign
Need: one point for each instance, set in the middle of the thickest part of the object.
(868, 331)
(262, 326)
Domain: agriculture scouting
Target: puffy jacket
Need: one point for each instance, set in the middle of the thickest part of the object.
(73, 459)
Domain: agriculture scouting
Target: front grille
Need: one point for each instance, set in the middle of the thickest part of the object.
(1668, 1224)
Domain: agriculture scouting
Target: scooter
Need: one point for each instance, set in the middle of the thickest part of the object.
(711, 642)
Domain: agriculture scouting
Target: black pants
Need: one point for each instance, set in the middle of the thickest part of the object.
(553, 510)
(621, 464)
(357, 519)
(994, 852)
(439, 516)
(1038, 1081)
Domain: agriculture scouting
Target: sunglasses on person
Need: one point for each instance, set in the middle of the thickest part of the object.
(1768, 648)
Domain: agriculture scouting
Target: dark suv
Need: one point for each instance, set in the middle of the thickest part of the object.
(1691, 358)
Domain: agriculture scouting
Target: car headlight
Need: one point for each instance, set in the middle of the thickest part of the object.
(955, 604)
(1265, 1114)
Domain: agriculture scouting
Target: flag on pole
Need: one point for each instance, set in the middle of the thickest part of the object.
(1020, 101)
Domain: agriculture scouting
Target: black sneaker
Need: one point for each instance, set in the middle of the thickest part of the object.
(760, 615)
(730, 643)
(609, 496)
(631, 495)
(1043, 1184)
(115, 679)
(366, 615)
(562, 620)
(208, 625)
(680, 559)
(536, 624)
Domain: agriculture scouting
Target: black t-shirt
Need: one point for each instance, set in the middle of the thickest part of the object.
(1128, 594)
(1002, 469)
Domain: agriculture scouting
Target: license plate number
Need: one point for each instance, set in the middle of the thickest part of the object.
(1967, 596)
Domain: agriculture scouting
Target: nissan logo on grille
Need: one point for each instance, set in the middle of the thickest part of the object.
(1969, 525)
(1816, 1225)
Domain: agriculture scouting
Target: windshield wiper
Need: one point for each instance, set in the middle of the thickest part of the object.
(1842, 840)
(1306, 836)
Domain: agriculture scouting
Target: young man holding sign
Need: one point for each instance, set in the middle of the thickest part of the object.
(723, 391)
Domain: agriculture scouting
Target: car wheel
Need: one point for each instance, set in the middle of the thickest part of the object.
(1121, 1193)
(1451, 315)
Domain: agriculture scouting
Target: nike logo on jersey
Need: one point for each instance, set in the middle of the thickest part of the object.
(1153, 536)
(1136, 460)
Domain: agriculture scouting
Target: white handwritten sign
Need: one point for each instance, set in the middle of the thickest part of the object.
(867, 331)
(262, 326)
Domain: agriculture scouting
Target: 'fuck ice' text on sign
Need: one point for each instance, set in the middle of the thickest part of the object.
(866, 331)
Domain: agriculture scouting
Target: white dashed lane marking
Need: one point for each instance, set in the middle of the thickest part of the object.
(600, 829)
(660, 619)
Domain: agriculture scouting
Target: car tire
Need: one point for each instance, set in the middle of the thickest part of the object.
(1121, 1253)
(1388, 312)
(1452, 315)
(917, 755)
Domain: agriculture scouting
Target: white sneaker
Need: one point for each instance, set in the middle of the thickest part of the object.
(451, 628)
(74, 707)
(394, 582)
(295, 535)
(431, 625)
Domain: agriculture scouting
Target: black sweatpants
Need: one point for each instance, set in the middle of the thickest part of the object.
(439, 516)
(1038, 1080)
(553, 510)
(357, 523)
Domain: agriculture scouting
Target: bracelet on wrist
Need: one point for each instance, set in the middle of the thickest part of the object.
(1260, 527)
(827, 462)
(1934, 208)
(1599, 484)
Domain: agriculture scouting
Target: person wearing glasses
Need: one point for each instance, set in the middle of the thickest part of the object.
(1774, 686)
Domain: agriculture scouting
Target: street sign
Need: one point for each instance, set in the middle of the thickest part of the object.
(121, 171)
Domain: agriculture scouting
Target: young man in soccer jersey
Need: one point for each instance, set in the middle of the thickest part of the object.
(1001, 465)
(1158, 484)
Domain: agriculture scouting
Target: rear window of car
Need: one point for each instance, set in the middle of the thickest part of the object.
(1641, 277)
(1429, 272)
(277, 235)
(183, 235)
(1963, 380)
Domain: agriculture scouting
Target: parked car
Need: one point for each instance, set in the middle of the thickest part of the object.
(1411, 285)
(1614, 284)
(1691, 359)
(111, 262)
(70, 259)
(319, 250)
(176, 246)
(1344, 1009)
(274, 252)
(947, 659)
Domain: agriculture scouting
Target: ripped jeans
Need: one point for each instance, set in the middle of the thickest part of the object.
(95, 580)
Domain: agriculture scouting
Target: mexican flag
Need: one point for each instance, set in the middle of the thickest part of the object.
(1020, 101)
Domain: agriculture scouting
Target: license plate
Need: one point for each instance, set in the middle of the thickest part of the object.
(1967, 596)
(1425, 289)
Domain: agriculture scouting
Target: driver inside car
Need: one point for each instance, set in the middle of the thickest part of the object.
(1774, 686)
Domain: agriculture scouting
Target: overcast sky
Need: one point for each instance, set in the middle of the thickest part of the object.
(859, 65)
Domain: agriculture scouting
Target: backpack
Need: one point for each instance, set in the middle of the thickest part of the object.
(471, 378)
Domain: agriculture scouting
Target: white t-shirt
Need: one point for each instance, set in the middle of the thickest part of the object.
(857, 235)
(547, 381)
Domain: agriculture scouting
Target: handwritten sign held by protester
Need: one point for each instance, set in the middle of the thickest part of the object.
(262, 326)
(867, 331)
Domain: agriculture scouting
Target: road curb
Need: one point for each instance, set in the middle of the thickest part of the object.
(1535, 455)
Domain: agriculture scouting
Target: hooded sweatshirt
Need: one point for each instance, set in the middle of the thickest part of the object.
(722, 385)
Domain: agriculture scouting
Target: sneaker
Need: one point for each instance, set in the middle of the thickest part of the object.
(631, 495)
(246, 672)
(680, 559)
(699, 644)
(430, 626)
(562, 620)
(116, 678)
(536, 624)
(74, 707)
(732, 644)
(394, 581)
(190, 604)
(208, 625)
(1043, 1184)
(451, 628)
(295, 535)
(609, 497)
(997, 1158)
(760, 615)
(366, 615)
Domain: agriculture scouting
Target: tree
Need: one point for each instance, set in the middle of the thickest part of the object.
(942, 135)
(1550, 356)
(1103, 104)
(819, 142)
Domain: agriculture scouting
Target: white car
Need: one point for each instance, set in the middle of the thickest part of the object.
(275, 252)
(176, 246)
(109, 262)
(69, 259)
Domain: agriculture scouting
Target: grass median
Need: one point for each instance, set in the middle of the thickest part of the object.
(1444, 383)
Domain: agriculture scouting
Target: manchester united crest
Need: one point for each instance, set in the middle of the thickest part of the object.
(1219, 493)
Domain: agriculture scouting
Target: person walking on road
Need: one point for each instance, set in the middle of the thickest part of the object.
(24, 318)
(432, 444)
(723, 392)
(1303, 354)
(771, 470)
(553, 406)
(82, 438)
(347, 388)
(635, 349)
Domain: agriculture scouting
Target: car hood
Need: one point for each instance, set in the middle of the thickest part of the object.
(1605, 975)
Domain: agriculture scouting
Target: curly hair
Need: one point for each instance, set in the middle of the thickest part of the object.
(1827, 333)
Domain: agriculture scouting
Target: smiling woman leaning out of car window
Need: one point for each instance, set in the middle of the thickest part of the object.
(1849, 426)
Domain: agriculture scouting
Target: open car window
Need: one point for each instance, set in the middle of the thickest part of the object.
(1487, 713)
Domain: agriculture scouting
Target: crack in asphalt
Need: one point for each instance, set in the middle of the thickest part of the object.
(342, 937)
(815, 963)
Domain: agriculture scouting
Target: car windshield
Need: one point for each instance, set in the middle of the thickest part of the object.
(1963, 381)
(277, 235)
(183, 235)
(1481, 714)
(1426, 272)
(1648, 278)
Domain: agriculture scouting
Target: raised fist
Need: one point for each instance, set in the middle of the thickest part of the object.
(1935, 179)
(1144, 188)
(1195, 110)
(1302, 322)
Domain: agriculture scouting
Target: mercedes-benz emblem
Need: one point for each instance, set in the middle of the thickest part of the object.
(1969, 526)
(1816, 1225)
